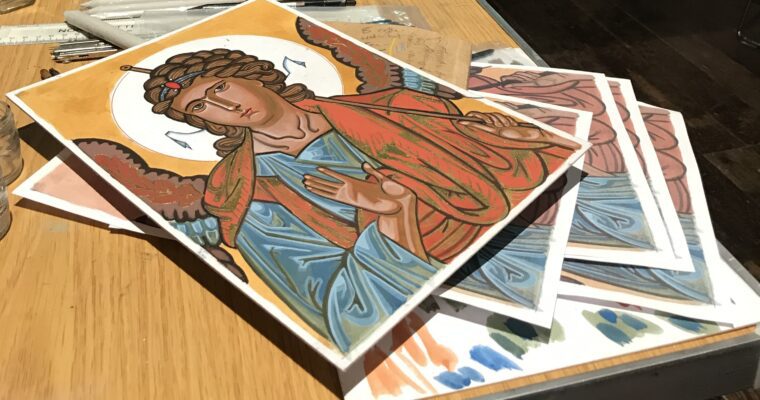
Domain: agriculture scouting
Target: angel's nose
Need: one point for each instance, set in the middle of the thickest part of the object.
(221, 102)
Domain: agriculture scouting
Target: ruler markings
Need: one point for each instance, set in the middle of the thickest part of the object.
(51, 33)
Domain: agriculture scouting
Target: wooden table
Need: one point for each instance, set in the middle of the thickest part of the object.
(85, 313)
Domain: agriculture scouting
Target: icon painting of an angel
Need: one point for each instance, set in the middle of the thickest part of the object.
(334, 186)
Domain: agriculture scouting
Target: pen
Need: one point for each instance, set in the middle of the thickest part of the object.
(98, 3)
(126, 14)
(319, 3)
(136, 9)
(481, 54)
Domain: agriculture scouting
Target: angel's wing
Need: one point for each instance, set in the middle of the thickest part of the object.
(375, 72)
(178, 199)
(175, 197)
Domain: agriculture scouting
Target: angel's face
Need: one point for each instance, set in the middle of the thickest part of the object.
(232, 102)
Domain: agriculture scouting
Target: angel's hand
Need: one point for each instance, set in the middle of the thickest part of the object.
(522, 76)
(509, 128)
(378, 194)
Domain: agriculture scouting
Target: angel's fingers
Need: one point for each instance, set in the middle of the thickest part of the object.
(490, 119)
(320, 186)
(324, 182)
(518, 133)
(479, 115)
(372, 171)
(482, 127)
(333, 174)
(526, 75)
(504, 120)
(515, 122)
(323, 193)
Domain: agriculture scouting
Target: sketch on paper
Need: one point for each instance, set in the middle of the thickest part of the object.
(616, 215)
(337, 197)
(699, 294)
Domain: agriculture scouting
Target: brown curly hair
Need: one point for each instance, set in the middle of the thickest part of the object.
(221, 63)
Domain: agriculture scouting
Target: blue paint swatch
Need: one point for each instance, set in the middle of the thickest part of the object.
(609, 315)
(686, 323)
(453, 380)
(522, 329)
(491, 359)
(633, 322)
(472, 374)
(613, 333)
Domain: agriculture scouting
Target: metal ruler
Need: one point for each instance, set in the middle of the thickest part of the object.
(52, 33)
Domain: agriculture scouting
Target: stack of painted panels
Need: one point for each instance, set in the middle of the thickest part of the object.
(424, 238)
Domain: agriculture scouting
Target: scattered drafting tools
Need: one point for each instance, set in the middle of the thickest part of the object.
(155, 23)
(115, 3)
(148, 26)
(82, 50)
(133, 10)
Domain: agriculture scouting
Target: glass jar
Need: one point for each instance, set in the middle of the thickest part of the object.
(7, 6)
(5, 212)
(10, 146)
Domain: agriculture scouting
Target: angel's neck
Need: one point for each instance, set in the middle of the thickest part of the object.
(294, 132)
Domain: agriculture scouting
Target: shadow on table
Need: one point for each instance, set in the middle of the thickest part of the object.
(258, 318)
(41, 141)
(46, 209)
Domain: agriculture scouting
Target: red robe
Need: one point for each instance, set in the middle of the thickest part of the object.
(465, 180)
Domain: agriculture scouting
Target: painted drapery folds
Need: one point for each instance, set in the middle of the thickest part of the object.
(616, 214)
(517, 272)
(698, 294)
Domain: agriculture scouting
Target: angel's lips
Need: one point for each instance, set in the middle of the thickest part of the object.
(247, 113)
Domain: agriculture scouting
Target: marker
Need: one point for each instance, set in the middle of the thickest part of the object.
(482, 54)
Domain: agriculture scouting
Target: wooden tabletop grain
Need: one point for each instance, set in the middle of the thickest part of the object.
(85, 313)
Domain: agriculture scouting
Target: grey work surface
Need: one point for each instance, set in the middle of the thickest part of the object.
(699, 373)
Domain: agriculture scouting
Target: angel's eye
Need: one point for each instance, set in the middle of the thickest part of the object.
(220, 87)
(199, 106)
